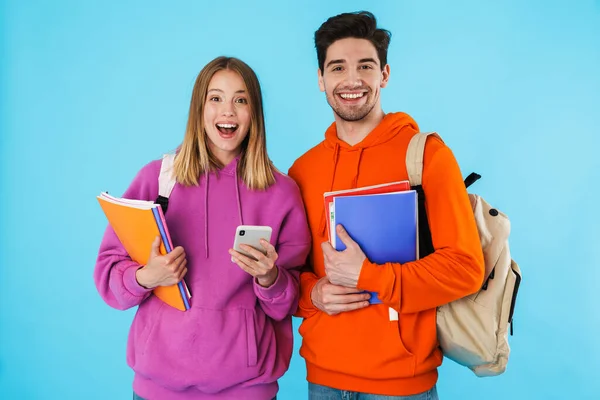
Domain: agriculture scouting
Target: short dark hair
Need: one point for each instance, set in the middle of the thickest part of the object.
(360, 25)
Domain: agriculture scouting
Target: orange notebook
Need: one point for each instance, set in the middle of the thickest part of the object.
(136, 224)
(328, 197)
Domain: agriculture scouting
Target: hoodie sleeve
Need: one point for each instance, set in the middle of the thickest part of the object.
(308, 280)
(280, 300)
(456, 268)
(114, 273)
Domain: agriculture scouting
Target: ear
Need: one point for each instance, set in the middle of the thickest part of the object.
(321, 82)
(386, 75)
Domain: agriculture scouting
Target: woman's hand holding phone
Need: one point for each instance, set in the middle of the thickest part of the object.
(259, 264)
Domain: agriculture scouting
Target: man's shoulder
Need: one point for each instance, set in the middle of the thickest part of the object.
(313, 153)
(435, 144)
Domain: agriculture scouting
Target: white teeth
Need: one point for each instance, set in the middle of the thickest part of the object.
(228, 126)
(351, 95)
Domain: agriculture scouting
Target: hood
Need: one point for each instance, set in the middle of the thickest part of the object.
(390, 126)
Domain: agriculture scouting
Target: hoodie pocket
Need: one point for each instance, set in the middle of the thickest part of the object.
(362, 343)
(144, 323)
(251, 339)
(212, 349)
(396, 326)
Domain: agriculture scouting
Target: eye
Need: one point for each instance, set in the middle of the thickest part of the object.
(366, 67)
(336, 69)
(241, 100)
(214, 98)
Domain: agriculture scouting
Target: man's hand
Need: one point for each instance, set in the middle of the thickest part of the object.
(343, 267)
(333, 299)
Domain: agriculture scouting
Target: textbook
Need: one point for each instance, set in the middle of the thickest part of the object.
(136, 223)
(375, 189)
(384, 225)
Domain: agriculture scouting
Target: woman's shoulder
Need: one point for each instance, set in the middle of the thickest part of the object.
(284, 182)
(284, 189)
(150, 171)
(144, 185)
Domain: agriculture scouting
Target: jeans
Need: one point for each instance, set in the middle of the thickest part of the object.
(318, 392)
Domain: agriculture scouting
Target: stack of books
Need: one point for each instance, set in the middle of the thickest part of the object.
(382, 219)
(137, 223)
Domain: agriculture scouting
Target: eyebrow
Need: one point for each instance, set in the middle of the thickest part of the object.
(219, 90)
(366, 60)
(342, 61)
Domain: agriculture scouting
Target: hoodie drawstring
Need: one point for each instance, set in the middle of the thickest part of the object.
(239, 201)
(355, 181)
(336, 153)
(206, 217)
(239, 207)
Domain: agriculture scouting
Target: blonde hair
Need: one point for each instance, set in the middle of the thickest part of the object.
(194, 157)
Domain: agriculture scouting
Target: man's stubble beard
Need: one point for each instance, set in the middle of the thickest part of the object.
(351, 115)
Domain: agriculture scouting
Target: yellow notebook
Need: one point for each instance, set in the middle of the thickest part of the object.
(137, 223)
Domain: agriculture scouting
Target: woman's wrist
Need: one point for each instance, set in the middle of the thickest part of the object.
(140, 277)
(269, 279)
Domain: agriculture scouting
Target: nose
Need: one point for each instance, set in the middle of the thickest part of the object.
(228, 109)
(353, 78)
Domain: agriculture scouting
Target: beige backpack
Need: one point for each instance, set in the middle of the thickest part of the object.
(473, 331)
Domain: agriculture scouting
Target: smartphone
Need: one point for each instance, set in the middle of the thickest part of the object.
(251, 235)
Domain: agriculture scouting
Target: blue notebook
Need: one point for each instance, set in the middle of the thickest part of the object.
(385, 226)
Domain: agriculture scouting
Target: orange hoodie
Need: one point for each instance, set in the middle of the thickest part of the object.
(363, 350)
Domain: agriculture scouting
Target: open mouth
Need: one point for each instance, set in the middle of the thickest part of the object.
(227, 130)
(352, 98)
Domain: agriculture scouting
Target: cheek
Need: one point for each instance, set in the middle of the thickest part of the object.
(244, 117)
(209, 114)
(376, 82)
(331, 86)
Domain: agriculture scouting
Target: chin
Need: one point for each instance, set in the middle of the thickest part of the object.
(230, 148)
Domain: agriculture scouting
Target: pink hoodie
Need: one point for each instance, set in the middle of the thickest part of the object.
(236, 339)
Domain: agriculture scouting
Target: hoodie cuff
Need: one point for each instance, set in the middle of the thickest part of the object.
(131, 283)
(379, 278)
(273, 291)
(370, 276)
(306, 308)
(376, 278)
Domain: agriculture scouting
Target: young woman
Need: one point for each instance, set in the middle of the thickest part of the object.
(236, 339)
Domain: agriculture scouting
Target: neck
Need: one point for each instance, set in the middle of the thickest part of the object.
(225, 157)
(353, 132)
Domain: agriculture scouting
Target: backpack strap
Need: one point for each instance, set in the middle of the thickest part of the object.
(414, 157)
(166, 181)
(414, 160)
(414, 167)
(471, 179)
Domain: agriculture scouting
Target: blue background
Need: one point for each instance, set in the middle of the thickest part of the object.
(92, 90)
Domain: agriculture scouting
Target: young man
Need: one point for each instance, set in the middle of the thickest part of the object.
(349, 345)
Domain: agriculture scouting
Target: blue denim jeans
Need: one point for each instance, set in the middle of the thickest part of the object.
(318, 392)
